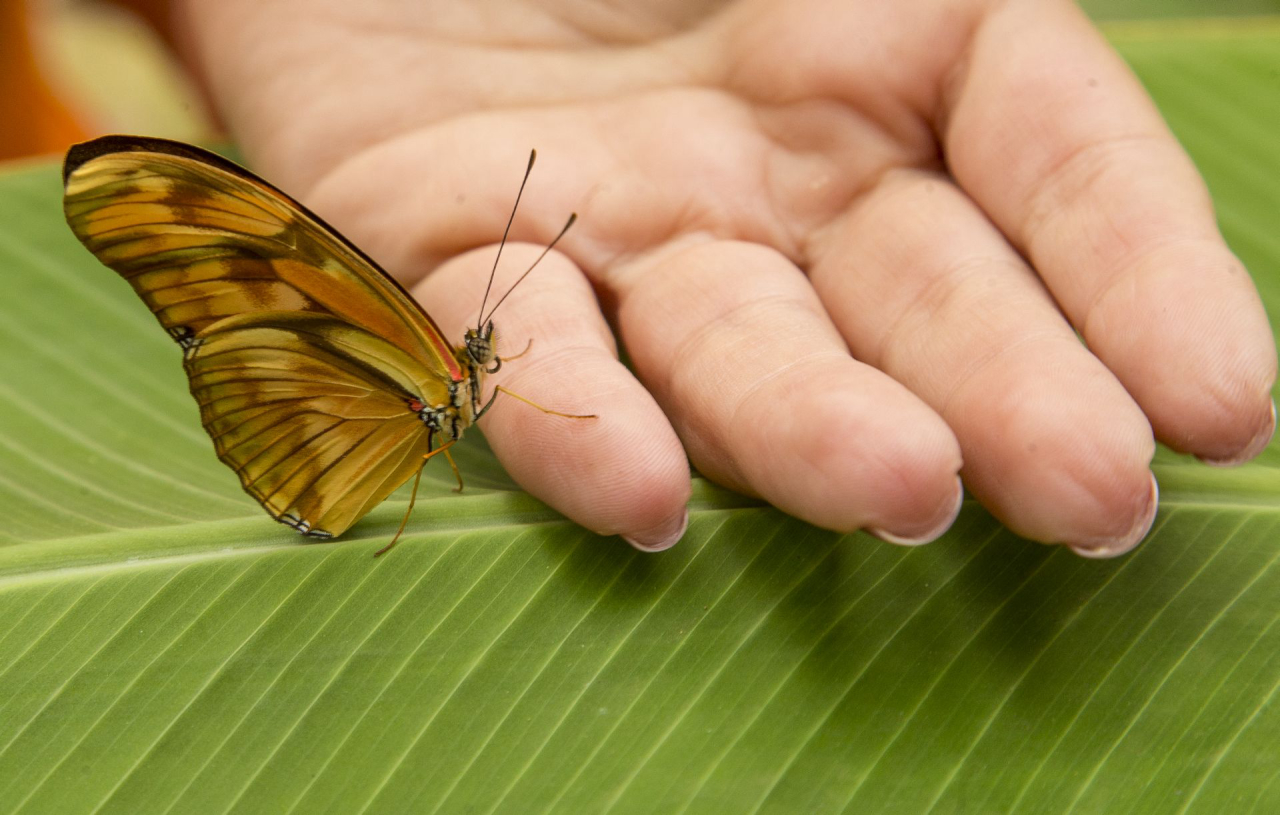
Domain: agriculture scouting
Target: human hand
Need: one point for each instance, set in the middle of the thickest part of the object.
(847, 246)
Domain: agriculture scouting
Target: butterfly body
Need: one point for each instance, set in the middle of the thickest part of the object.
(321, 382)
(476, 357)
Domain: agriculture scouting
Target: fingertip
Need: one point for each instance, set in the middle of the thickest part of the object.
(1106, 504)
(933, 532)
(645, 496)
(1186, 333)
(887, 463)
(1251, 448)
(1062, 459)
(1099, 508)
(1104, 548)
(662, 537)
(621, 473)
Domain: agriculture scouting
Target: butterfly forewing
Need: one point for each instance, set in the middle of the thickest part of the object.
(175, 221)
(305, 358)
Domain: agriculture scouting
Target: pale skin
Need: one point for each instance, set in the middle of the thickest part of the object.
(847, 246)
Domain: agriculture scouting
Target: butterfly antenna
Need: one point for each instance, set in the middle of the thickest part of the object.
(533, 155)
(572, 217)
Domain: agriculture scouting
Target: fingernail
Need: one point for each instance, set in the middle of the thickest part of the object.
(1118, 546)
(663, 538)
(934, 532)
(1255, 446)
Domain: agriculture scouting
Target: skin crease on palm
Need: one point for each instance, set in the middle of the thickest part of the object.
(848, 246)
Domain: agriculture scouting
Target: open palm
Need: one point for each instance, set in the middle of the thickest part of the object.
(849, 247)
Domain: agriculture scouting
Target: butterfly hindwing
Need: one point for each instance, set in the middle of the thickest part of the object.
(311, 413)
(303, 355)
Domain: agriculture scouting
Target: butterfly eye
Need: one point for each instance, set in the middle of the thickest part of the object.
(480, 346)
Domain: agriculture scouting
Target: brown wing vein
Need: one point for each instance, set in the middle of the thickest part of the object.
(283, 440)
(283, 389)
(344, 364)
(313, 451)
(283, 430)
(315, 454)
(151, 290)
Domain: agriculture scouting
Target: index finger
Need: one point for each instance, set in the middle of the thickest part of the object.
(623, 472)
(1049, 131)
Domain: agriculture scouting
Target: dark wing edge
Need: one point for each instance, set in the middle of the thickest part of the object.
(84, 152)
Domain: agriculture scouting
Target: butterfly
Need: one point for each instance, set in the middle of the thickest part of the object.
(324, 385)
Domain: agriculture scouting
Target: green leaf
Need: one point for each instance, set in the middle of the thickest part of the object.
(165, 647)
(1143, 9)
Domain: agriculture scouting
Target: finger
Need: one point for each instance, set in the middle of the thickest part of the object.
(925, 288)
(735, 346)
(1056, 140)
(623, 472)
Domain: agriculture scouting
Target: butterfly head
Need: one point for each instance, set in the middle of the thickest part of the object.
(481, 347)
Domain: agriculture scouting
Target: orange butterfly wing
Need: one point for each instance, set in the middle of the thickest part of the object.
(303, 355)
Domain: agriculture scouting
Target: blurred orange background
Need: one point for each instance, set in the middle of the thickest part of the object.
(74, 69)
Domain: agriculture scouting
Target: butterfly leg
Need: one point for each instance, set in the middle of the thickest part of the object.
(527, 346)
(413, 495)
(454, 465)
(497, 361)
(531, 403)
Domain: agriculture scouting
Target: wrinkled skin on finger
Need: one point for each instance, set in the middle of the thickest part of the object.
(850, 247)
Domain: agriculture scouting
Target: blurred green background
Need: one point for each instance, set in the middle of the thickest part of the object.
(1142, 9)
